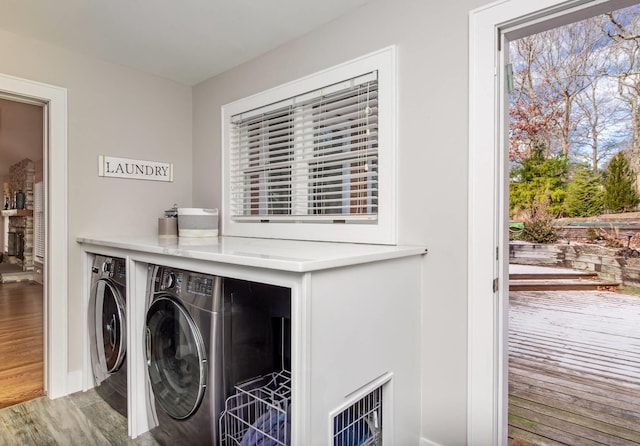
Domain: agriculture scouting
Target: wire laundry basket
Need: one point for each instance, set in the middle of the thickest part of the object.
(258, 413)
(360, 424)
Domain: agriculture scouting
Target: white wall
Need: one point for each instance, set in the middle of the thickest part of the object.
(116, 111)
(432, 41)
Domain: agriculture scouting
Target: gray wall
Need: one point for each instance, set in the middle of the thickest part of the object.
(114, 111)
(432, 43)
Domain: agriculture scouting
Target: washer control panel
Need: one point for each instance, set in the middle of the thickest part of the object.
(181, 282)
(113, 268)
(200, 285)
(203, 291)
(170, 280)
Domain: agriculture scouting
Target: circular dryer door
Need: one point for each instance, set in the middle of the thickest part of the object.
(176, 358)
(110, 326)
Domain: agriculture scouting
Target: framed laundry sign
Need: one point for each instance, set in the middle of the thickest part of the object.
(110, 166)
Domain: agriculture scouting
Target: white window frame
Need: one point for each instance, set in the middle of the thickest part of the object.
(381, 231)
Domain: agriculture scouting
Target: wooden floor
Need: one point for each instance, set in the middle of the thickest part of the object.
(574, 367)
(81, 419)
(21, 342)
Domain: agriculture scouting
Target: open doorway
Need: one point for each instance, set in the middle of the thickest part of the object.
(57, 380)
(491, 28)
(22, 258)
(574, 140)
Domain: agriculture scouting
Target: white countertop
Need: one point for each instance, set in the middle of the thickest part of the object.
(285, 255)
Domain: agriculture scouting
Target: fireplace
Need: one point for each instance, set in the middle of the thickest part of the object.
(20, 245)
(15, 245)
(11, 244)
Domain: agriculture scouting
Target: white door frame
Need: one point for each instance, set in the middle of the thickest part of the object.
(488, 200)
(56, 347)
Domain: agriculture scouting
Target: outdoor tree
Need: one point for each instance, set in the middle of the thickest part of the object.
(576, 89)
(603, 123)
(619, 185)
(529, 127)
(624, 31)
(584, 196)
(537, 176)
(576, 93)
(566, 68)
(532, 113)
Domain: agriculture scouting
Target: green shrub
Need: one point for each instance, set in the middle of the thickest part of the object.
(538, 222)
(593, 235)
(539, 231)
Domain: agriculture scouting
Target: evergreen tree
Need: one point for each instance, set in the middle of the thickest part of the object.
(538, 176)
(619, 191)
(584, 193)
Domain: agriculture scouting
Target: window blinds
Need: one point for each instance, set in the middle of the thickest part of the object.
(312, 157)
(38, 204)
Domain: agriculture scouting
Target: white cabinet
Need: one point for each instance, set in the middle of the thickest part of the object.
(355, 321)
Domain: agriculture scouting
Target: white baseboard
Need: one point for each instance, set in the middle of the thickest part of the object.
(74, 381)
(425, 442)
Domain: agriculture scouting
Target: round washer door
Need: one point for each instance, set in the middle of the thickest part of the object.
(176, 358)
(110, 326)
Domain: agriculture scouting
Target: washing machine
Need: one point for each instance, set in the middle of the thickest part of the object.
(183, 347)
(108, 330)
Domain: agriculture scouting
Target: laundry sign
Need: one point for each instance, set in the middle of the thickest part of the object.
(109, 166)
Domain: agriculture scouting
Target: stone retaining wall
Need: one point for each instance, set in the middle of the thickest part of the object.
(592, 258)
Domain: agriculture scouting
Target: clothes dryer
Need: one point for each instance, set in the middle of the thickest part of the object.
(184, 355)
(108, 330)
(205, 335)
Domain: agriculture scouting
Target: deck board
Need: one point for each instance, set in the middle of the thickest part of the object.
(574, 367)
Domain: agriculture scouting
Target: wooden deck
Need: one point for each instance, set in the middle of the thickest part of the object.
(574, 368)
(539, 278)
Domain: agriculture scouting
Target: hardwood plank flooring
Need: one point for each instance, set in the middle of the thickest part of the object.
(26, 417)
(21, 342)
(574, 368)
